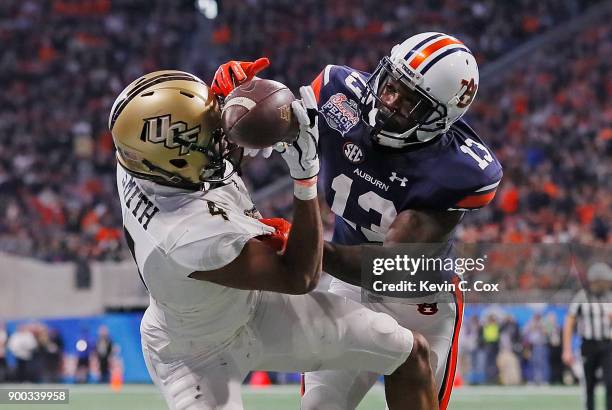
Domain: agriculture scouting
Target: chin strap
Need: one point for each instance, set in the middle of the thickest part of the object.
(217, 165)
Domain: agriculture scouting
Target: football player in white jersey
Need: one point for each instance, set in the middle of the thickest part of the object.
(222, 301)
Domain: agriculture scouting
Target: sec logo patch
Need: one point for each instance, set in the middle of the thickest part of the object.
(353, 153)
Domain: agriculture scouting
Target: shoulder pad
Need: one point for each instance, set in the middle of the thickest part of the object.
(471, 169)
(339, 79)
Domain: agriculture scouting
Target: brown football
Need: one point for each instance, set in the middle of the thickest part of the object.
(258, 114)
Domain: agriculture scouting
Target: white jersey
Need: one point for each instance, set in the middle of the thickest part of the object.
(172, 233)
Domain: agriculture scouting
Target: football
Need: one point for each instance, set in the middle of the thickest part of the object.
(258, 114)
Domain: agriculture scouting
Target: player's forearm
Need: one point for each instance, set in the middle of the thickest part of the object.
(343, 262)
(568, 330)
(304, 249)
(412, 226)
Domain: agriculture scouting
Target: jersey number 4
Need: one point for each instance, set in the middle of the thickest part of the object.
(215, 210)
(370, 201)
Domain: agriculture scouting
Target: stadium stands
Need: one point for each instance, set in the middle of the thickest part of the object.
(57, 165)
(63, 62)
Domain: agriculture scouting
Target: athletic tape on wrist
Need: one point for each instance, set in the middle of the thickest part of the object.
(305, 189)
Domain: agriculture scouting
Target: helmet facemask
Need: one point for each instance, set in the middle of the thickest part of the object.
(390, 126)
(219, 151)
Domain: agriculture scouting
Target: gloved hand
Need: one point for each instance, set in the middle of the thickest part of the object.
(253, 152)
(278, 239)
(234, 73)
(301, 156)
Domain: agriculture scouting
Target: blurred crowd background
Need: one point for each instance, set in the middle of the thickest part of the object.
(498, 346)
(63, 62)
(495, 349)
(39, 353)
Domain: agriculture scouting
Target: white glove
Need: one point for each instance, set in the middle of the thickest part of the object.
(301, 156)
(253, 152)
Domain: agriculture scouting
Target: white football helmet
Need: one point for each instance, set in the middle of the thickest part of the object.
(442, 75)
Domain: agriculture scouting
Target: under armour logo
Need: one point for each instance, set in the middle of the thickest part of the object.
(394, 178)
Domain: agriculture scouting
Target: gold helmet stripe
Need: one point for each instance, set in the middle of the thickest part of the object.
(178, 75)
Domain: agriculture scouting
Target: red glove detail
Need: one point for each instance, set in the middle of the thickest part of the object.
(234, 73)
(278, 239)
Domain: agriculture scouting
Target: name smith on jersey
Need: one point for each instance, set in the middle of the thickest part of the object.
(142, 208)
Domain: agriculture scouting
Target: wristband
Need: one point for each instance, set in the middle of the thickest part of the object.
(305, 189)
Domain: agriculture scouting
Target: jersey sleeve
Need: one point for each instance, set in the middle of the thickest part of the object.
(460, 189)
(574, 307)
(209, 242)
(211, 253)
(320, 82)
(335, 79)
(471, 172)
(476, 199)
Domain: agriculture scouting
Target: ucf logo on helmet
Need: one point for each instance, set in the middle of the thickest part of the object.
(161, 129)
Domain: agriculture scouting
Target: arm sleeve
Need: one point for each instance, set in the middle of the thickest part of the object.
(320, 82)
(211, 253)
(477, 199)
(574, 307)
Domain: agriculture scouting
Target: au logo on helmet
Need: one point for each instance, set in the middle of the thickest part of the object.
(468, 95)
(161, 129)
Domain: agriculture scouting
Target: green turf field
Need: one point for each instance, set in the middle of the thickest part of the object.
(145, 397)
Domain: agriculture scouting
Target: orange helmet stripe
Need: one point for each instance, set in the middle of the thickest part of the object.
(422, 55)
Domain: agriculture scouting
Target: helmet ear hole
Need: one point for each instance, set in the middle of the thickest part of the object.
(178, 162)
